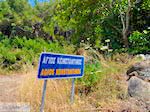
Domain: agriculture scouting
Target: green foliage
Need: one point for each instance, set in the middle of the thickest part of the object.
(96, 20)
(139, 42)
(146, 4)
(16, 52)
(15, 11)
(85, 17)
(92, 74)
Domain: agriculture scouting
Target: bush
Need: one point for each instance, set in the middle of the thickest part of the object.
(91, 75)
(139, 42)
(17, 52)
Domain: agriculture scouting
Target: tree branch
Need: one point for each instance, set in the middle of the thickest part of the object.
(128, 15)
(123, 22)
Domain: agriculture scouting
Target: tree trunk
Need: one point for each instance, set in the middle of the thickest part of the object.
(125, 39)
(125, 19)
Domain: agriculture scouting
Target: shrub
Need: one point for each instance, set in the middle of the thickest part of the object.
(91, 75)
(139, 42)
(17, 52)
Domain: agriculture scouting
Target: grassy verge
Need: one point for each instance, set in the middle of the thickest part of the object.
(104, 93)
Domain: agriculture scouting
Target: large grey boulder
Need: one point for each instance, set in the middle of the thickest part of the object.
(139, 88)
(139, 82)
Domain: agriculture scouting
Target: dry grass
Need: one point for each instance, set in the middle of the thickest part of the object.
(57, 95)
(108, 92)
(112, 89)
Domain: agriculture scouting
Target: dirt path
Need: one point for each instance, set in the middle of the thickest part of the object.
(9, 87)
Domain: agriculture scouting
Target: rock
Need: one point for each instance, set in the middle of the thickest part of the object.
(139, 82)
(140, 70)
(139, 88)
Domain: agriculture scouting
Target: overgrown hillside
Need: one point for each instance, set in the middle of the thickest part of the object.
(108, 33)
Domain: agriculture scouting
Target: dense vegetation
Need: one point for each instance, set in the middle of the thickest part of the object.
(102, 26)
(15, 52)
(75, 21)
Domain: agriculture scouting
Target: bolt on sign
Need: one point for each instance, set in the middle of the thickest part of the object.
(57, 66)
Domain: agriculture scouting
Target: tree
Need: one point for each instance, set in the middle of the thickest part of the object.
(14, 13)
(84, 17)
(18, 18)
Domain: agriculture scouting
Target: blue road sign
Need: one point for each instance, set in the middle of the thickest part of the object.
(58, 66)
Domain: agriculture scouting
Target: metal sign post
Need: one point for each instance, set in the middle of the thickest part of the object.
(72, 90)
(59, 66)
(43, 96)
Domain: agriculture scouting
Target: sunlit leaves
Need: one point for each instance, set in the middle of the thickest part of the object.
(146, 4)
